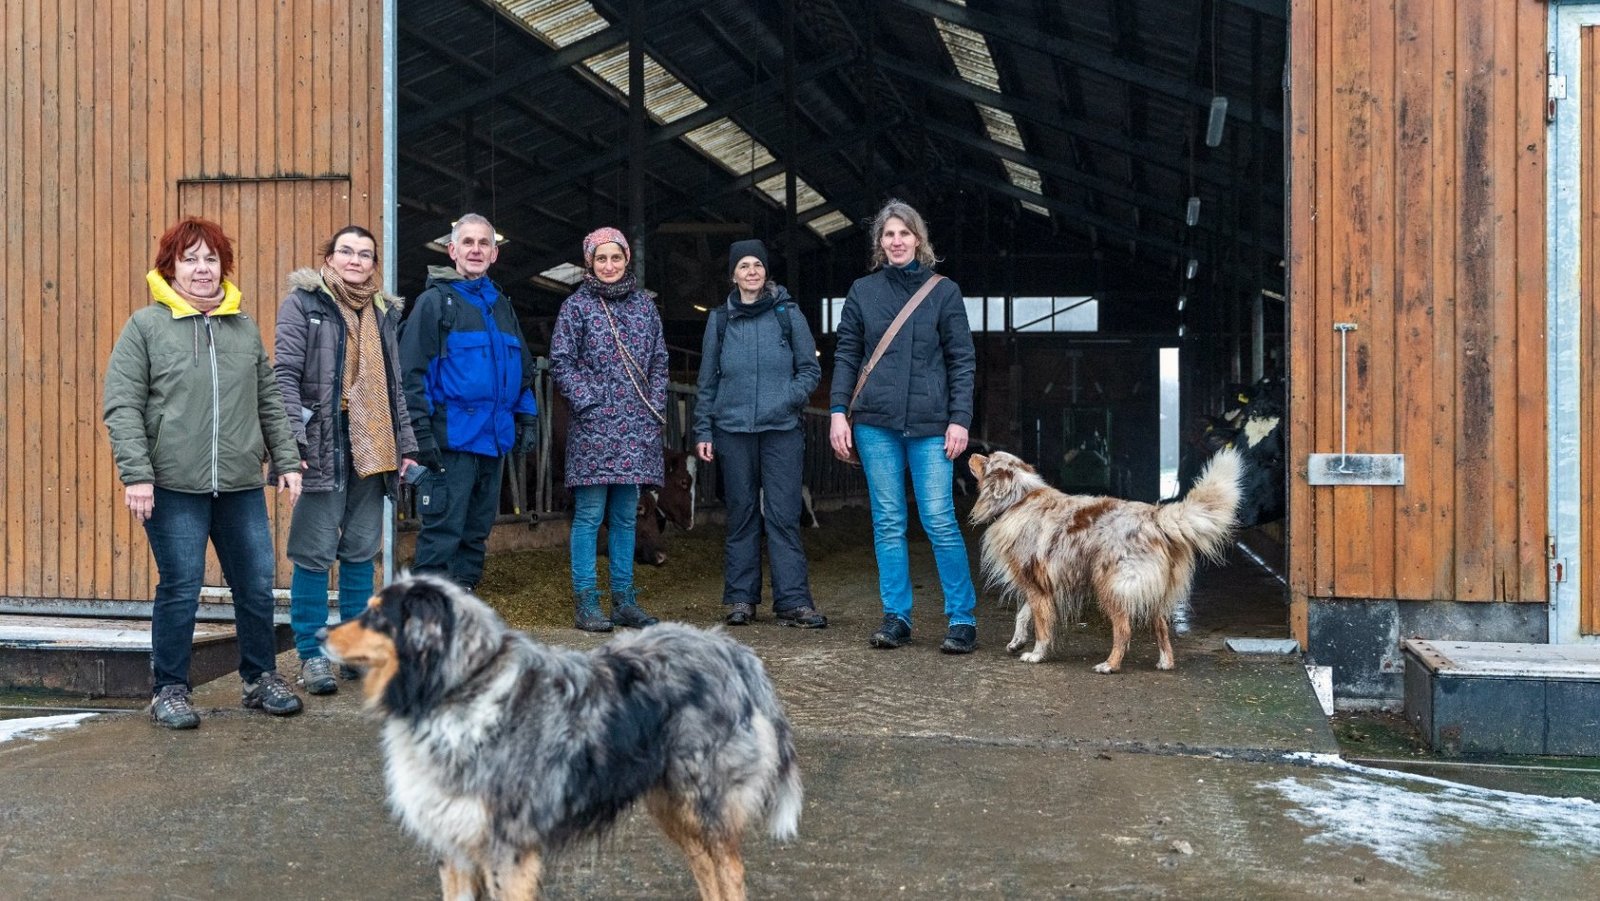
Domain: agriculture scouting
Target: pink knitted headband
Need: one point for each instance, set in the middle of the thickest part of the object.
(604, 235)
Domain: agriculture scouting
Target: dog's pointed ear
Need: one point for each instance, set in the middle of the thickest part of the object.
(976, 463)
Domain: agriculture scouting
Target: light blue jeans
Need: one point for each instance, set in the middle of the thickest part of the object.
(885, 457)
(618, 505)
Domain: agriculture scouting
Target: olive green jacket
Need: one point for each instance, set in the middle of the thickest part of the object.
(191, 400)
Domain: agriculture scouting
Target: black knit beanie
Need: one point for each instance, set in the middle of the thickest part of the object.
(751, 247)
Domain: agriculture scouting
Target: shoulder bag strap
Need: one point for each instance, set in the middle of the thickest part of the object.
(894, 329)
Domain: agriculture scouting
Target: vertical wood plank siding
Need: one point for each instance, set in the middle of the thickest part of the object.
(1417, 211)
(120, 117)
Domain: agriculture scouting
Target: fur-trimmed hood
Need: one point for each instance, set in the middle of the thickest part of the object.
(308, 279)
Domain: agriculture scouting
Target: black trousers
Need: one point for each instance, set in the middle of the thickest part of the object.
(457, 507)
(762, 467)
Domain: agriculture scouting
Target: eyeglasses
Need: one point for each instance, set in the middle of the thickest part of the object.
(366, 256)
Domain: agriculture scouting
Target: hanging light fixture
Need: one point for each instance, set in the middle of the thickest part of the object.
(1219, 115)
(1191, 215)
(1193, 267)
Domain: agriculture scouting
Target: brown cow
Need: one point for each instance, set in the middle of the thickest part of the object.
(676, 503)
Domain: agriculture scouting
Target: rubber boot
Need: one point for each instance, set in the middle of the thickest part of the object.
(588, 617)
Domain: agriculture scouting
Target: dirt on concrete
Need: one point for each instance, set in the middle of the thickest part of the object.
(927, 776)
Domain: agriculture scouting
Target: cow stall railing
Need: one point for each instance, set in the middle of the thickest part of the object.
(532, 489)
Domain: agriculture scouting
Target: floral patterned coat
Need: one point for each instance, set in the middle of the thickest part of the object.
(613, 438)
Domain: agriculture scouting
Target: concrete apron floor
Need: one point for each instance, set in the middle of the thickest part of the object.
(927, 776)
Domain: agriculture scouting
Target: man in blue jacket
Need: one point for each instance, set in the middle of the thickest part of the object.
(468, 379)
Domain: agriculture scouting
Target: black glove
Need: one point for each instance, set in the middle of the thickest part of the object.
(429, 457)
(527, 437)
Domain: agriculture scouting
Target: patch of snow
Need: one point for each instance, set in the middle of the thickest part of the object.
(28, 726)
(1403, 817)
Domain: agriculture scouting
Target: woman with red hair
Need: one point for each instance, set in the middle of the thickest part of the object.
(193, 409)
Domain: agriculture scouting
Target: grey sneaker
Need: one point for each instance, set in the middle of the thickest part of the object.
(170, 708)
(271, 693)
(316, 676)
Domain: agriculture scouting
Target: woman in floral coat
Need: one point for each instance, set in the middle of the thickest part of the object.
(609, 360)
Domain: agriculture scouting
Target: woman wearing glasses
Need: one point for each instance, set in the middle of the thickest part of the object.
(337, 368)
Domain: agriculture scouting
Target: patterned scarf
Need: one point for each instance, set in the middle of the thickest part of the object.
(366, 387)
(617, 290)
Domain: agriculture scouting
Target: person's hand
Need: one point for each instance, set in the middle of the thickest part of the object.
(703, 451)
(839, 436)
(141, 500)
(290, 482)
(955, 441)
(429, 457)
(405, 464)
(305, 456)
(527, 437)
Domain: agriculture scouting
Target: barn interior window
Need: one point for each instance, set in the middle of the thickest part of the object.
(988, 314)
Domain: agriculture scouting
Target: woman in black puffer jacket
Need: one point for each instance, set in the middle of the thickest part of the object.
(913, 412)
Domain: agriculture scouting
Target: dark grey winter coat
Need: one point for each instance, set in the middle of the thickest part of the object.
(751, 379)
(924, 382)
(309, 358)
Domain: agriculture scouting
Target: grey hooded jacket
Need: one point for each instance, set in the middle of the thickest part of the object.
(753, 380)
(309, 349)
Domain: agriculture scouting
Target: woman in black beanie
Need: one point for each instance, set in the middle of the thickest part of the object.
(748, 419)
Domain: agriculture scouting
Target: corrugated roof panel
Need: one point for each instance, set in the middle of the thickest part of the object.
(833, 222)
(731, 146)
(557, 22)
(970, 52)
(1002, 127)
(665, 97)
(805, 196)
(563, 22)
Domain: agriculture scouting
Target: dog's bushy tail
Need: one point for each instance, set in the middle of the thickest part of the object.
(784, 823)
(1204, 519)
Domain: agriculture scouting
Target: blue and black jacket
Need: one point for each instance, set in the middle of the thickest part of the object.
(467, 372)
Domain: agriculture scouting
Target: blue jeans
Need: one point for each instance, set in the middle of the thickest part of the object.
(236, 524)
(618, 505)
(885, 456)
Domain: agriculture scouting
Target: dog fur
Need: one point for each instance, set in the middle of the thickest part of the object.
(1053, 551)
(501, 750)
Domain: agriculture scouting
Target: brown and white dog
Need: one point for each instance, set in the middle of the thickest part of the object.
(1053, 551)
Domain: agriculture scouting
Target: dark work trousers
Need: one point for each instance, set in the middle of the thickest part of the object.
(456, 520)
(753, 464)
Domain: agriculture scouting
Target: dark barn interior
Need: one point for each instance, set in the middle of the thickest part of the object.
(1128, 151)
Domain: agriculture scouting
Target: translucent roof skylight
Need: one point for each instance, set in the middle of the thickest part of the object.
(666, 99)
(969, 50)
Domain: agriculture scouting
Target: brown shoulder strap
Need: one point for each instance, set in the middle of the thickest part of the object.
(894, 329)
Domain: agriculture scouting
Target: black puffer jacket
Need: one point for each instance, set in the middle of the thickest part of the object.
(924, 382)
(309, 358)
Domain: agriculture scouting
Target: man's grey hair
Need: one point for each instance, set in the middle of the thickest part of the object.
(468, 219)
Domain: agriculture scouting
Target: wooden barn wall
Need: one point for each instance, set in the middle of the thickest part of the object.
(118, 118)
(1417, 211)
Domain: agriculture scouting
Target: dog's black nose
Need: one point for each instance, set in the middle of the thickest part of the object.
(322, 634)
